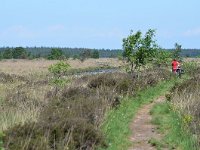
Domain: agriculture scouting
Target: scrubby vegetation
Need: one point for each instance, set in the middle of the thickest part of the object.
(185, 100)
(22, 99)
(68, 117)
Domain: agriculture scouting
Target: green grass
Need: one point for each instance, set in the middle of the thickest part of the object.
(155, 143)
(170, 124)
(1, 142)
(116, 125)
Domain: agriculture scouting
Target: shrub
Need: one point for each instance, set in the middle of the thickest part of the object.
(19, 53)
(58, 70)
(102, 80)
(65, 134)
(56, 54)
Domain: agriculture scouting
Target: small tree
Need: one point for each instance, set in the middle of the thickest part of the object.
(131, 45)
(1, 55)
(85, 54)
(7, 54)
(67, 56)
(56, 54)
(76, 57)
(177, 51)
(19, 53)
(95, 54)
(58, 70)
(139, 50)
(162, 58)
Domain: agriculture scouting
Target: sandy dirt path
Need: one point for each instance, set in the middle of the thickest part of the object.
(142, 128)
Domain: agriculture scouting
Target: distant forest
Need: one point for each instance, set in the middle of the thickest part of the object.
(36, 52)
(188, 52)
(69, 52)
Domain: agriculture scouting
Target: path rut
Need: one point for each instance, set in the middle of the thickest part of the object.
(142, 128)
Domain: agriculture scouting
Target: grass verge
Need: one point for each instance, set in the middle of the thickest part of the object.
(116, 125)
(170, 124)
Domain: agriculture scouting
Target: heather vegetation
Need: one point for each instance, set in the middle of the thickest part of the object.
(68, 117)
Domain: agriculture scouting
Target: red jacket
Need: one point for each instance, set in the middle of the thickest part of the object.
(174, 64)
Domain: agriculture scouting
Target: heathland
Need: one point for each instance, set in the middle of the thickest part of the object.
(83, 103)
(84, 114)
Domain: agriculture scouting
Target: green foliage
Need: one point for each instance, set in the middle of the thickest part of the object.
(56, 54)
(7, 54)
(19, 53)
(163, 58)
(131, 46)
(103, 53)
(75, 57)
(16, 53)
(139, 50)
(1, 55)
(177, 51)
(85, 54)
(58, 70)
(120, 56)
(187, 119)
(95, 54)
(67, 56)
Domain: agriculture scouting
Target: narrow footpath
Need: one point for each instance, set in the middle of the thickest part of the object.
(142, 128)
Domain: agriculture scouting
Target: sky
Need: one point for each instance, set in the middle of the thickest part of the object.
(97, 23)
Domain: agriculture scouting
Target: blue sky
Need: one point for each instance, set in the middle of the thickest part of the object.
(97, 23)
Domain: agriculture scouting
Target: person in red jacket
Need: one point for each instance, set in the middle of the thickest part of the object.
(175, 64)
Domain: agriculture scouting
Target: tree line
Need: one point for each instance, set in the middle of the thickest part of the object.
(56, 53)
(75, 53)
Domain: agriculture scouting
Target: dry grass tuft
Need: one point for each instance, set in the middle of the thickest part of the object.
(185, 98)
(22, 102)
